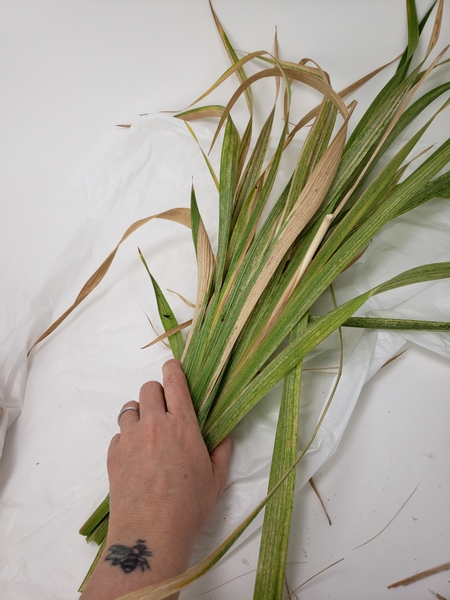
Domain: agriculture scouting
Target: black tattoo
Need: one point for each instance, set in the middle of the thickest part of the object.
(129, 559)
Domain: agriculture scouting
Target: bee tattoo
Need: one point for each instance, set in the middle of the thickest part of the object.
(129, 559)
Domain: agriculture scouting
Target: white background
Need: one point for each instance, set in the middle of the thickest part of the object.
(70, 72)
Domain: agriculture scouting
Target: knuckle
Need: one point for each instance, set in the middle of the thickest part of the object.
(151, 387)
(130, 403)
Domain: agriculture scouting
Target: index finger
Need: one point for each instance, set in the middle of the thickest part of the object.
(176, 390)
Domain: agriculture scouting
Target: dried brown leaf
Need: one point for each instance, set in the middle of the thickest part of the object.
(395, 357)
(206, 265)
(436, 595)
(168, 333)
(421, 575)
(436, 28)
(319, 573)
(296, 72)
(178, 215)
(321, 232)
(360, 82)
(316, 491)
(343, 94)
(154, 329)
(390, 521)
(185, 300)
(201, 113)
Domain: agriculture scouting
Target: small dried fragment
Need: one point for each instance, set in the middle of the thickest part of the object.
(421, 575)
(438, 596)
(387, 525)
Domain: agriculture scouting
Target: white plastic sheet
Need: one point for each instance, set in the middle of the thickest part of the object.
(76, 381)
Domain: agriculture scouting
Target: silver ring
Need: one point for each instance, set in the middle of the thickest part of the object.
(124, 410)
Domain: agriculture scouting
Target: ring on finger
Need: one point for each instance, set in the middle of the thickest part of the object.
(124, 410)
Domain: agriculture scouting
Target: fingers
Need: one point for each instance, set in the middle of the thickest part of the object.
(129, 415)
(220, 459)
(113, 443)
(151, 398)
(178, 398)
(174, 398)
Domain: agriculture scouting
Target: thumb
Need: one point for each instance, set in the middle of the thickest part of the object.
(220, 460)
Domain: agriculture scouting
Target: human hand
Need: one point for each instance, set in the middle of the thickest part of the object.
(164, 486)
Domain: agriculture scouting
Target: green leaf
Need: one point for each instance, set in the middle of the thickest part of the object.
(207, 161)
(253, 168)
(312, 151)
(413, 111)
(167, 317)
(92, 567)
(392, 324)
(195, 219)
(234, 58)
(244, 146)
(273, 550)
(366, 136)
(406, 58)
(413, 28)
(96, 518)
(227, 187)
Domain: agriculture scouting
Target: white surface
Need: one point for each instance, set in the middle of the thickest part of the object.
(72, 71)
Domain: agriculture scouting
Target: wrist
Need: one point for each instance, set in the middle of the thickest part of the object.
(166, 553)
(131, 562)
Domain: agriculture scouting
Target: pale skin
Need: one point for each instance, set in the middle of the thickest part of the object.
(164, 486)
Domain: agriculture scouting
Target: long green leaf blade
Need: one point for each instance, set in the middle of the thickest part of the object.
(391, 324)
(234, 58)
(413, 28)
(167, 317)
(277, 516)
(404, 62)
(228, 176)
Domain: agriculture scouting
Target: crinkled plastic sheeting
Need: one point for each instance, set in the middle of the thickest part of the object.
(75, 382)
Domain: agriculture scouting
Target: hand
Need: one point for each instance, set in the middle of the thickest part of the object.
(164, 486)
